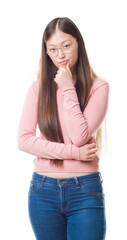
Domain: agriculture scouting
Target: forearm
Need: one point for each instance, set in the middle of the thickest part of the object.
(37, 146)
(81, 126)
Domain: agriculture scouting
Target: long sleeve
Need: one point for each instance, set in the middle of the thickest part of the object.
(27, 139)
(80, 125)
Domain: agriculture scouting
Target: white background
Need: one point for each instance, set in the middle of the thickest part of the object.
(103, 27)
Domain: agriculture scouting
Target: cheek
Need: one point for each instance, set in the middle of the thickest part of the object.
(73, 59)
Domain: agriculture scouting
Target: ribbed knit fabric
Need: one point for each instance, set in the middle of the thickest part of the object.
(77, 127)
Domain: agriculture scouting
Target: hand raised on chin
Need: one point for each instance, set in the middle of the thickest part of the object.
(63, 74)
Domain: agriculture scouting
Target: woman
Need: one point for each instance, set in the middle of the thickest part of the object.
(69, 103)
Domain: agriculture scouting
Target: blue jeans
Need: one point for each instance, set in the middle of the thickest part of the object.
(67, 208)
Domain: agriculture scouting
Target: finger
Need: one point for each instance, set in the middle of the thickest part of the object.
(91, 145)
(93, 150)
(92, 156)
(68, 66)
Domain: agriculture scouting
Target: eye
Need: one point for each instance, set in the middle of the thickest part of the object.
(66, 46)
(52, 49)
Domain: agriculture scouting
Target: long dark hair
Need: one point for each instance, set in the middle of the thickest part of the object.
(48, 120)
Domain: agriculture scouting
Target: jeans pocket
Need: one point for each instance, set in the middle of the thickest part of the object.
(34, 186)
(94, 188)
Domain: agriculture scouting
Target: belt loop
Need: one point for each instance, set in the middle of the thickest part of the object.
(43, 179)
(101, 177)
(77, 182)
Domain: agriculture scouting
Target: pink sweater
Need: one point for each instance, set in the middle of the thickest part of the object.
(77, 127)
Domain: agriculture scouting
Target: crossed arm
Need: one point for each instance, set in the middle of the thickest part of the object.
(38, 146)
(80, 126)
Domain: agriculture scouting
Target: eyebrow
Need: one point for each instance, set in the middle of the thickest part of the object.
(61, 42)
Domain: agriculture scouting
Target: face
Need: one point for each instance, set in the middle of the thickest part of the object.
(59, 39)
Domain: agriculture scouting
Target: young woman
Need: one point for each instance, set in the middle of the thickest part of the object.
(68, 102)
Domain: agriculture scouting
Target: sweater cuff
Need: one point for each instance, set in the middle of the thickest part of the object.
(75, 152)
(66, 84)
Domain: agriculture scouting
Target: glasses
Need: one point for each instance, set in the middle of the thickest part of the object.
(66, 48)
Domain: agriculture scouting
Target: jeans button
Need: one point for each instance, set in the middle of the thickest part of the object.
(62, 181)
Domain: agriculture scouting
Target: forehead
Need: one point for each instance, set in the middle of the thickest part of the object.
(59, 37)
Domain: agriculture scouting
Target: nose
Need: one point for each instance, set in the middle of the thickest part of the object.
(60, 52)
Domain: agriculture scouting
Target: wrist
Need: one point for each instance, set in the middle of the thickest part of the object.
(75, 152)
(67, 83)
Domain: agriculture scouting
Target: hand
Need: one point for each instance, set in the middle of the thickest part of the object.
(63, 74)
(88, 151)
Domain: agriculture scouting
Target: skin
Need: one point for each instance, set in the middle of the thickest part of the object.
(67, 71)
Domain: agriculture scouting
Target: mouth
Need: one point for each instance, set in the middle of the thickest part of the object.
(63, 62)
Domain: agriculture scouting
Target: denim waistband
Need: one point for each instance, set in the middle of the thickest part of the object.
(71, 180)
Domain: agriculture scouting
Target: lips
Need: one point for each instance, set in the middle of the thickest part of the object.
(64, 61)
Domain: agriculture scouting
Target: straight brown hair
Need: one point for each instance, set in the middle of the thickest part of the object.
(48, 120)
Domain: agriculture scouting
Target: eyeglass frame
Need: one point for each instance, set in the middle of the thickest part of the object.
(60, 48)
